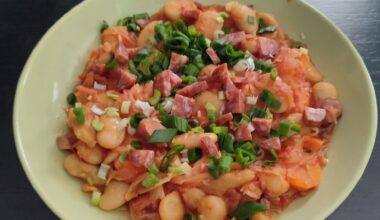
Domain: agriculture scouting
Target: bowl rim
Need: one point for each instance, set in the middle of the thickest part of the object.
(60, 213)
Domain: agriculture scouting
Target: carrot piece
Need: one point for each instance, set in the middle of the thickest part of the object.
(304, 177)
(312, 143)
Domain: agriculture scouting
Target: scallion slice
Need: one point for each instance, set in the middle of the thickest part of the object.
(219, 129)
(104, 26)
(135, 120)
(194, 154)
(216, 166)
(163, 135)
(251, 19)
(150, 180)
(71, 99)
(95, 198)
(155, 98)
(288, 128)
(173, 121)
(274, 155)
(273, 74)
(226, 142)
(123, 156)
(112, 111)
(112, 96)
(268, 98)
(153, 169)
(79, 113)
(169, 156)
(97, 125)
(136, 144)
(112, 63)
(211, 112)
(246, 210)
(198, 129)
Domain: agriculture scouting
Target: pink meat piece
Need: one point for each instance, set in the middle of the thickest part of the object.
(236, 103)
(235, 38)
(224, 119)
(142, 22)
(141, 158)
(209, 147)
(121, 53)
(239, 79)
(213, 55)
(243, 133)
(218, 77)
(66, 141)
(314, 116)
(183, 106)
(271, 143)
(193, 89)
(333, 109)
(267, 47)
(147, 126)
(230, 89)
(262, 126)
(177, 61)
(190, 16)
(166, 81)
(120, 79)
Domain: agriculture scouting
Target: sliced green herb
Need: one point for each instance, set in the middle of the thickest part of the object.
(251, 19)
(150, 180)
(241, 118)
(273, 74)
(95, 198)
(263, 28)
(112, 63)
(79, 113)
(198, 129)
(104, 26)
(123, 157)
(169, 156)
(163, 136)
(97, 125)
(246, 210)
(136, 144)
(71, 99)
(268, 98)
(194, 154)
(211, 112)
(216, 166)
(155, 98)
(135, 120)
(153, 169)
(288, 128)
(264, 67)
(226, 142)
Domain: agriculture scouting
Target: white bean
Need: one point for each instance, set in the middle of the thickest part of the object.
(313, 75)
(262, 216)
(191, 140)
(171, 207)
(208, 97)
(76, 167)
(273, 183)
(212, 208)
(208, 24)
(111, 136)
(146, 34)
(323, 90)
(91, 155)
(192, 197)
(84, 132)
(240, 14)
(174, 8)
(114, 195)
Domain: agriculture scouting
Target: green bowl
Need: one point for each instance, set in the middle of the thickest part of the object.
(59, 57)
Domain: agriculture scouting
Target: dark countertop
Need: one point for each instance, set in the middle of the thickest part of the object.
(22, 24)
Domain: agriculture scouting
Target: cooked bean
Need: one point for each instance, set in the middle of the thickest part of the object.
(173, 9)
(313, 75)
(323, 90)
(146, 34)
(111, 136)
(171, 207)
(84, 132)
(240, 14)
(192, 197)
(212, 208)
(207, 24)
(91, 155)
(76, 167)
(273, 183)
(114, 195)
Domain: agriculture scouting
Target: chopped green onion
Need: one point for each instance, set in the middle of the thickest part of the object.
(144, 16)
(150, 180)
(198, 129)
(112, 111)
(97, 125)
(190, 70)
(246, 210)
(216, 166)
(79, 113)
(274, 155)
(273, 74)
(173, 121)
(259, 65)
(136, 144)
(251, 19)
(219, 129)
(125, 105)
(104, 26)
(123, 157)
(163, 135)
(112, 63)
(227, 52)
(224, 15)
(256, 113)
(273, 133)
(187, 79)
(176, 170)
(155, 98)
(245, 154)
(288, 128)
(194, 154)
(71, 99)
(95, 198)
(240, 118)
(211, 112)
(153, 169)
(169, 156)
(226, 142)
(112, 96)
(268, 98)
(135, 120)
(192, 30)
(190, 217)
(263, 28)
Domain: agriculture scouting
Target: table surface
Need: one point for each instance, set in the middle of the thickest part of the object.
(22, 24)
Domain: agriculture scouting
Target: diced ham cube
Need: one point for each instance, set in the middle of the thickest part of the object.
(271, 143)
(141, 158)
(262, 126)
(230, 89)
(177, 61)
(66, 141)
(224, 119)
(166, 81)
(190, 16)
(267, 47)
(218, 77)
(213, 55)
(209, 147)
(121, 53)
(239, 79)
(236, 104)
(120, 79)
(193, 89)
(183, 106)
(314, 116)
(147, 126)
(333, 109)
(243, 133)
(232, 199)
(235, 38)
